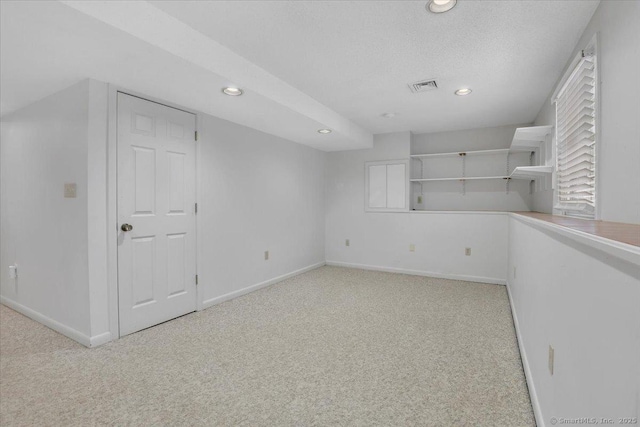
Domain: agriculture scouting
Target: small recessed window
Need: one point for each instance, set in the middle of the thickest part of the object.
(386, 186)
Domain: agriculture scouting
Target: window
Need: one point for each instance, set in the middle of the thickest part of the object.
(386, 186)
(576, 139)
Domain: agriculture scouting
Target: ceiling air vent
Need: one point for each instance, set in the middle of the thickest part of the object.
(423, 86)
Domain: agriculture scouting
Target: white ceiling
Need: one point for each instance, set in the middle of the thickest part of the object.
(357, 57)
(304, 64)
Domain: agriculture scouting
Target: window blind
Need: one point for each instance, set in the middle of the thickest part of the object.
(576, 140)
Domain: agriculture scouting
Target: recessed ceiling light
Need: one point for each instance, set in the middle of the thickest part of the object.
(389, 115)
(440, 6)
(232, 91)
(324, 131)
(463, 91)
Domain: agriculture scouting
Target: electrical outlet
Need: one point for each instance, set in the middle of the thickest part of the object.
(467, 251)
(266, 255)
(347, 243)
(13, 272)
(412, 248)
(70, 190)
(551, 359)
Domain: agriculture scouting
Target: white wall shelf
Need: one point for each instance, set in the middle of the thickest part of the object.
(461, 153)
(530, 138)
(531, 172)
(496, 169)
(461, 178)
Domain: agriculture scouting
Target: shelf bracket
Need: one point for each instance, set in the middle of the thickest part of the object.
(508, 173)
(464, 172)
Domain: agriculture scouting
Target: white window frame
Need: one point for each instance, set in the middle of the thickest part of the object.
(590, 49)
(407, 189)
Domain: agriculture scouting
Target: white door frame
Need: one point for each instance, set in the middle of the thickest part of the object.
(112, 200)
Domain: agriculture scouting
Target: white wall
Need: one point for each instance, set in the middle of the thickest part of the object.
(464, 140)
(584, 303)
(381, 240)
(257, 192)
(616, 23)
(44, 146)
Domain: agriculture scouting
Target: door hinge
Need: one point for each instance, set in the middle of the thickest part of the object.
(196, 135)
(196, 279)
(196, 208)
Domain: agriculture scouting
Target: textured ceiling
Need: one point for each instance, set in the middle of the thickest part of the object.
(357, 57)
(304, 64)
(47, 46)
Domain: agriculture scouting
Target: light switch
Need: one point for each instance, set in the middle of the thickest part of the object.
(70, 190)
(13, 271)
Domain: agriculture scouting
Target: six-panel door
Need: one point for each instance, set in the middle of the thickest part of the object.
(156, 196)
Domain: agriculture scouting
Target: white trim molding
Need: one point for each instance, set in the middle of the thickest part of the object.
(100, 339)
(53, 324)
(231, 295)
(535, 403)
(478, 279)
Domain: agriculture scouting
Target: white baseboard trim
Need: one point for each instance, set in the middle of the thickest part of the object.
(535, 403)
(100, 339)
(479, 279)
(50, 323)
(231, 295)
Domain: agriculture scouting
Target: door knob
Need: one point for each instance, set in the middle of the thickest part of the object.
(126, 227)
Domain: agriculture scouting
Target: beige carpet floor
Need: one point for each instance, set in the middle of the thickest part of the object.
(331, 347)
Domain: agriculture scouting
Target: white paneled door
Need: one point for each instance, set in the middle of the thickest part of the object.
(156, 213)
